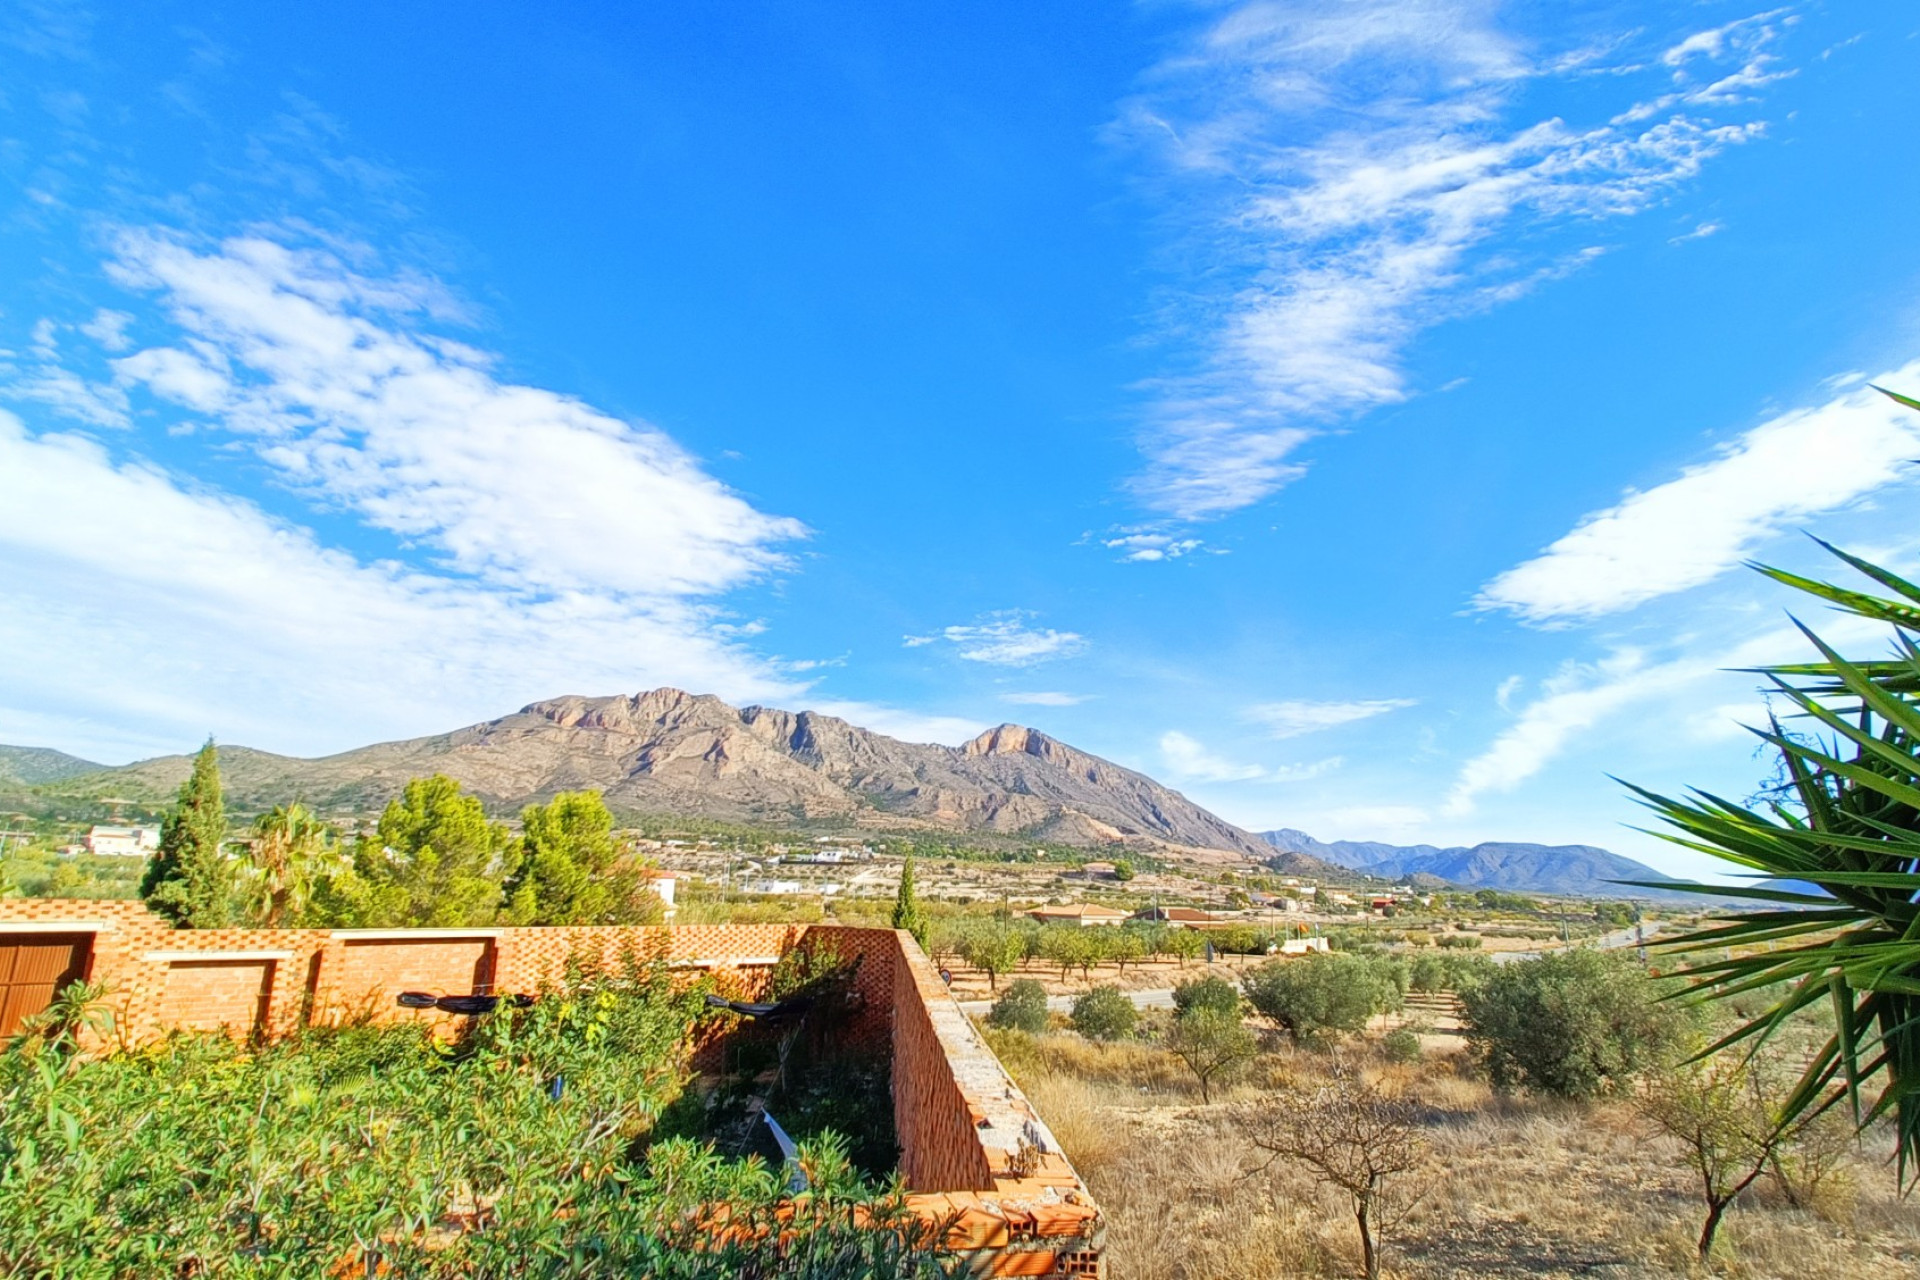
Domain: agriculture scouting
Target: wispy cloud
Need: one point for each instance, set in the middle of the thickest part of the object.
(1044, 699)
(1691, 529)
(1143, 546)
(1186, 758)
(1291, 719)
(342, 381)
(1359, 166)
(1700, 232)
(1005, 639)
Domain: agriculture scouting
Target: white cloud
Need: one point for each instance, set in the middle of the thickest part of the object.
(149, 613)
(1005, 639)
(1691, 529)
(908, 726)
(1358, 175)
(1700, 232)
(334, 378)
(1291, 719)
(1044, 699)
(1146, 547)
(1305, 772)
(1574, 700)
(109, 329)
(1187, 759)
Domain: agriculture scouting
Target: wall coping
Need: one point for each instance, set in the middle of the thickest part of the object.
(55, 926)
(407, 935)
(156, 956)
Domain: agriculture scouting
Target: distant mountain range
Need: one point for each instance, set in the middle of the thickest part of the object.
(669, 752)
(33, 766)
(1536, 868)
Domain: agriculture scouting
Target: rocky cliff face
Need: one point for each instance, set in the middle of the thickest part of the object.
(665, 751)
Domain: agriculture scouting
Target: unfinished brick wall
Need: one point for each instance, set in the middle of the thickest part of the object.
(977, 1159)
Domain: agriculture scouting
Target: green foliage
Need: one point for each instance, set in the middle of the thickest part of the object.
(1845, 820)
(1400, 1045)
(1576, 1024)
(1211, 992)
(1021, 1007)
(190, 880)
(1462, 941)
(1122, 870)
(435, 860)
(571, 869)
(1070, 946)
(1433, 972)
(357, 1150)
(906, 907)
(1105, 1013)
(1318, 995)
(994, 948)
(1212, 1044)
(290, 852)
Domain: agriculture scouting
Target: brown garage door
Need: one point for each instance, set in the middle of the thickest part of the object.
(33, 967)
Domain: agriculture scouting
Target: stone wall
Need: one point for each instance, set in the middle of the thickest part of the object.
(979, 1163)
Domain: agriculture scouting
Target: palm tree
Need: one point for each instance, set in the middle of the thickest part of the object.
(1834, 854)
(286, 854)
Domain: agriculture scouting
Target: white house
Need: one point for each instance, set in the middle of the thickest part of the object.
(123, 842)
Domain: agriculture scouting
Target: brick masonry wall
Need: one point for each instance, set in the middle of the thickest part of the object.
(978, 1160)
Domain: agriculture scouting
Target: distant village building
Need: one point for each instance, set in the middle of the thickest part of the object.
(123, 842)
(1084, 914)
(663, 883)
(773, 886)
(1177, 917)
(1100, 871)
(1301, 946)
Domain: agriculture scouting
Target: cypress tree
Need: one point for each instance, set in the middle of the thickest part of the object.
(906, 907)
(190, 880)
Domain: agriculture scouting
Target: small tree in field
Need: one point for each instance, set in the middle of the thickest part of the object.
(1212, 992)
(1105, 1013)
(994, 950)
(1353, 1138)
(1021, 1007)
(1720, 1113)
(1575, 1023)
(1318, 995)
(1211, 1043)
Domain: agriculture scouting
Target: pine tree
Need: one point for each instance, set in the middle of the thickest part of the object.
(906, 907)
(574, 870)
(434, 861)
(190, 880)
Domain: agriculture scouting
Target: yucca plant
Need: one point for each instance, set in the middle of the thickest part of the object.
(1845, 826)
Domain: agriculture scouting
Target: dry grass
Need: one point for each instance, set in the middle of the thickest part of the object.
(1517, 1188)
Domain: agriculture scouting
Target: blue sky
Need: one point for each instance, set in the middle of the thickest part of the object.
(1353, 414)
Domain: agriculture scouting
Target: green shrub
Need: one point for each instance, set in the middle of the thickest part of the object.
(1461, 941)
(1105, 1013)
(1021, 1007)
(1212, 992)
(1321, 994)
(1576, 1024)
(1400, 1045)
(1212, 1044)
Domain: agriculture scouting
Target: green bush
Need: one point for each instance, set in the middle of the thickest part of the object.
(1105, 1013)
(1322, 994)
(1021, 1007)
(1211, 992)
(1576, 1024)
(1461, 941)
(362, 1149)
(1400, 1045)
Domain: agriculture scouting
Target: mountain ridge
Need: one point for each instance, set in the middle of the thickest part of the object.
(1581, 869)
(692, 755)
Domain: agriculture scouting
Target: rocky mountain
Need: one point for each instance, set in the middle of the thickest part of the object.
(32, 766)
(669, 752)
(1532, 868)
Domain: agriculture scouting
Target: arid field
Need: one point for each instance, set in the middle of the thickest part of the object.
(1517, 1186)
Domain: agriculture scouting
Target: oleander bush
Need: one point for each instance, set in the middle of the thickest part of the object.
(528, 1149)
